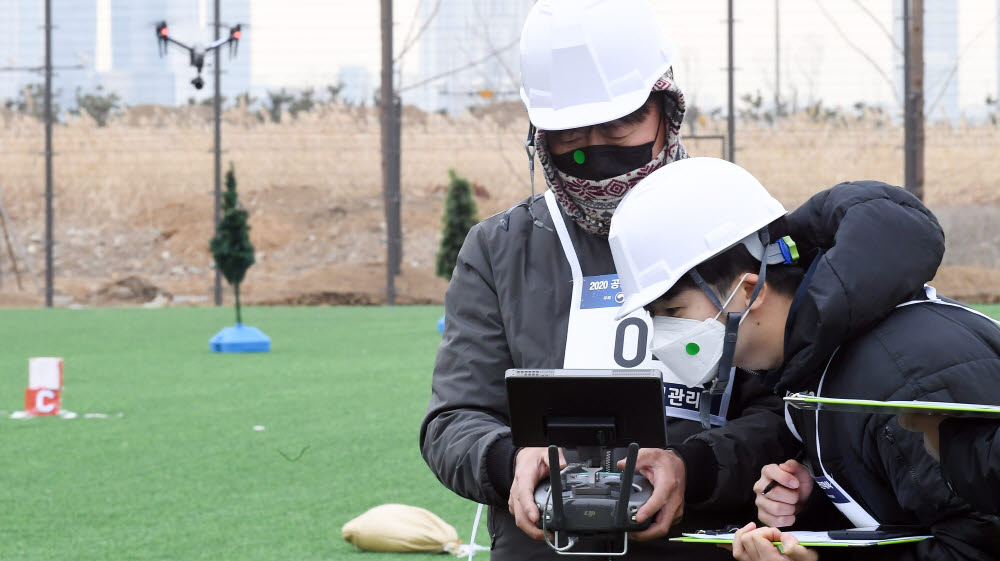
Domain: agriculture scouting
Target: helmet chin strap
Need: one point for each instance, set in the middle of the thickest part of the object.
(721, 381)
(531, 149)
(733, 320)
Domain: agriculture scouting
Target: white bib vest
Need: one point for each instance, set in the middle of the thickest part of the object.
(595, 340)
(838, 496)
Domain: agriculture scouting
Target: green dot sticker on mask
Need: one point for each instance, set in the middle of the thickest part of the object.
(579, 157)
(692, 348)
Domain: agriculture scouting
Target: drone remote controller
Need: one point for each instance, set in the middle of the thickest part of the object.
(585, 500)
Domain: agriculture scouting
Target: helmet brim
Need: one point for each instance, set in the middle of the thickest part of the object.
(640, 299)
(584, 114)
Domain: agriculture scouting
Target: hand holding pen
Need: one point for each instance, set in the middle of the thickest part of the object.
(781, 491)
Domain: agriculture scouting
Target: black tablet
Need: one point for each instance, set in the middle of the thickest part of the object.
(573, 408)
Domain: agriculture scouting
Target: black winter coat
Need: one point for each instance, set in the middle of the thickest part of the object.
(970, 460)
(874, 247)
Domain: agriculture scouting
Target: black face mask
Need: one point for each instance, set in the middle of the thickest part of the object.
(603, 161)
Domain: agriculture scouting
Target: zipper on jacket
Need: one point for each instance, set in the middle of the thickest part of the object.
(492, 526)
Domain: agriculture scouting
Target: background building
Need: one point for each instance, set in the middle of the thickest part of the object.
(942, 60)
(113, 41)
(473, 47)
(22, 44)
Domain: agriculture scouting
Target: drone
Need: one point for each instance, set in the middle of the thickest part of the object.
(196, 51)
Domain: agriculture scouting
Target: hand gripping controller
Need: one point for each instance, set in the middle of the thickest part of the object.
(585, 501)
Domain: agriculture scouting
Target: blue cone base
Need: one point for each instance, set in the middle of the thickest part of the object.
(441, 325)
(240, 339)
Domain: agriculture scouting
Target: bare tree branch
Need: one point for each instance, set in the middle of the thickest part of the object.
(412, 39)
(954, 68)
(485, 33)
(860, 51)
(885, 30)
(413, 22)
(489, 42)
(492, 54)
(517, 175)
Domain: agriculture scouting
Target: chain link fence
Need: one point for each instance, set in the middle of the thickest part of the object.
(818, 102)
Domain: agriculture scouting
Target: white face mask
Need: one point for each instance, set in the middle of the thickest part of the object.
(691, 349)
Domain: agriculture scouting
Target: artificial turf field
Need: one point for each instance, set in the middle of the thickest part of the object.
(182, 474)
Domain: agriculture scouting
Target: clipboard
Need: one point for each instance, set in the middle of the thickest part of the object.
(806, 538)
(811, 402)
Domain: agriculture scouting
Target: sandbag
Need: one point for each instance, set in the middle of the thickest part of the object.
(401, 528)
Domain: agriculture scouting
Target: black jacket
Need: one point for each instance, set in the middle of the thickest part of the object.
(970, 460)
(874, 247)
(507, 306)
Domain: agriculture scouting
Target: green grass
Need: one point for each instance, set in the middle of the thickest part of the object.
(181, 475)
(992, 310)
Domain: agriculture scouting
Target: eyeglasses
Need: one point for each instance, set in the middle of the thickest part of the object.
(619, 128)
(612, 129)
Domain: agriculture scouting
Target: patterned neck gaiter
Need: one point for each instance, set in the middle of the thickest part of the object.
(590, 203)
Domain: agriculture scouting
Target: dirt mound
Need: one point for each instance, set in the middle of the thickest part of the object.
(325, 298)
(135, 198)
(129, 290)
(968, 284)
(332, 298)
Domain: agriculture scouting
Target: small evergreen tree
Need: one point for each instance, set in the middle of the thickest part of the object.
(31, 101)
(231, 247)
(276, 101)
(459, 218)
(99, 105)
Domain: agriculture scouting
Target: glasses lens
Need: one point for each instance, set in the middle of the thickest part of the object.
(568, 135)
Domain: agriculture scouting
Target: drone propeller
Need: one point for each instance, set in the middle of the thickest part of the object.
(163, 38)
(235, 33)
(162, 32)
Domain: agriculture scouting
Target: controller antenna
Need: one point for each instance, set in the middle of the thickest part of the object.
(555, 485)
(621, 509)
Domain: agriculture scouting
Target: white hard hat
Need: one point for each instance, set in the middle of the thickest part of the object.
(681, 215)
(584, 63)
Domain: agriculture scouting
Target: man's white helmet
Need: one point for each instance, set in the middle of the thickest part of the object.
(585, 62)
(681, 215)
